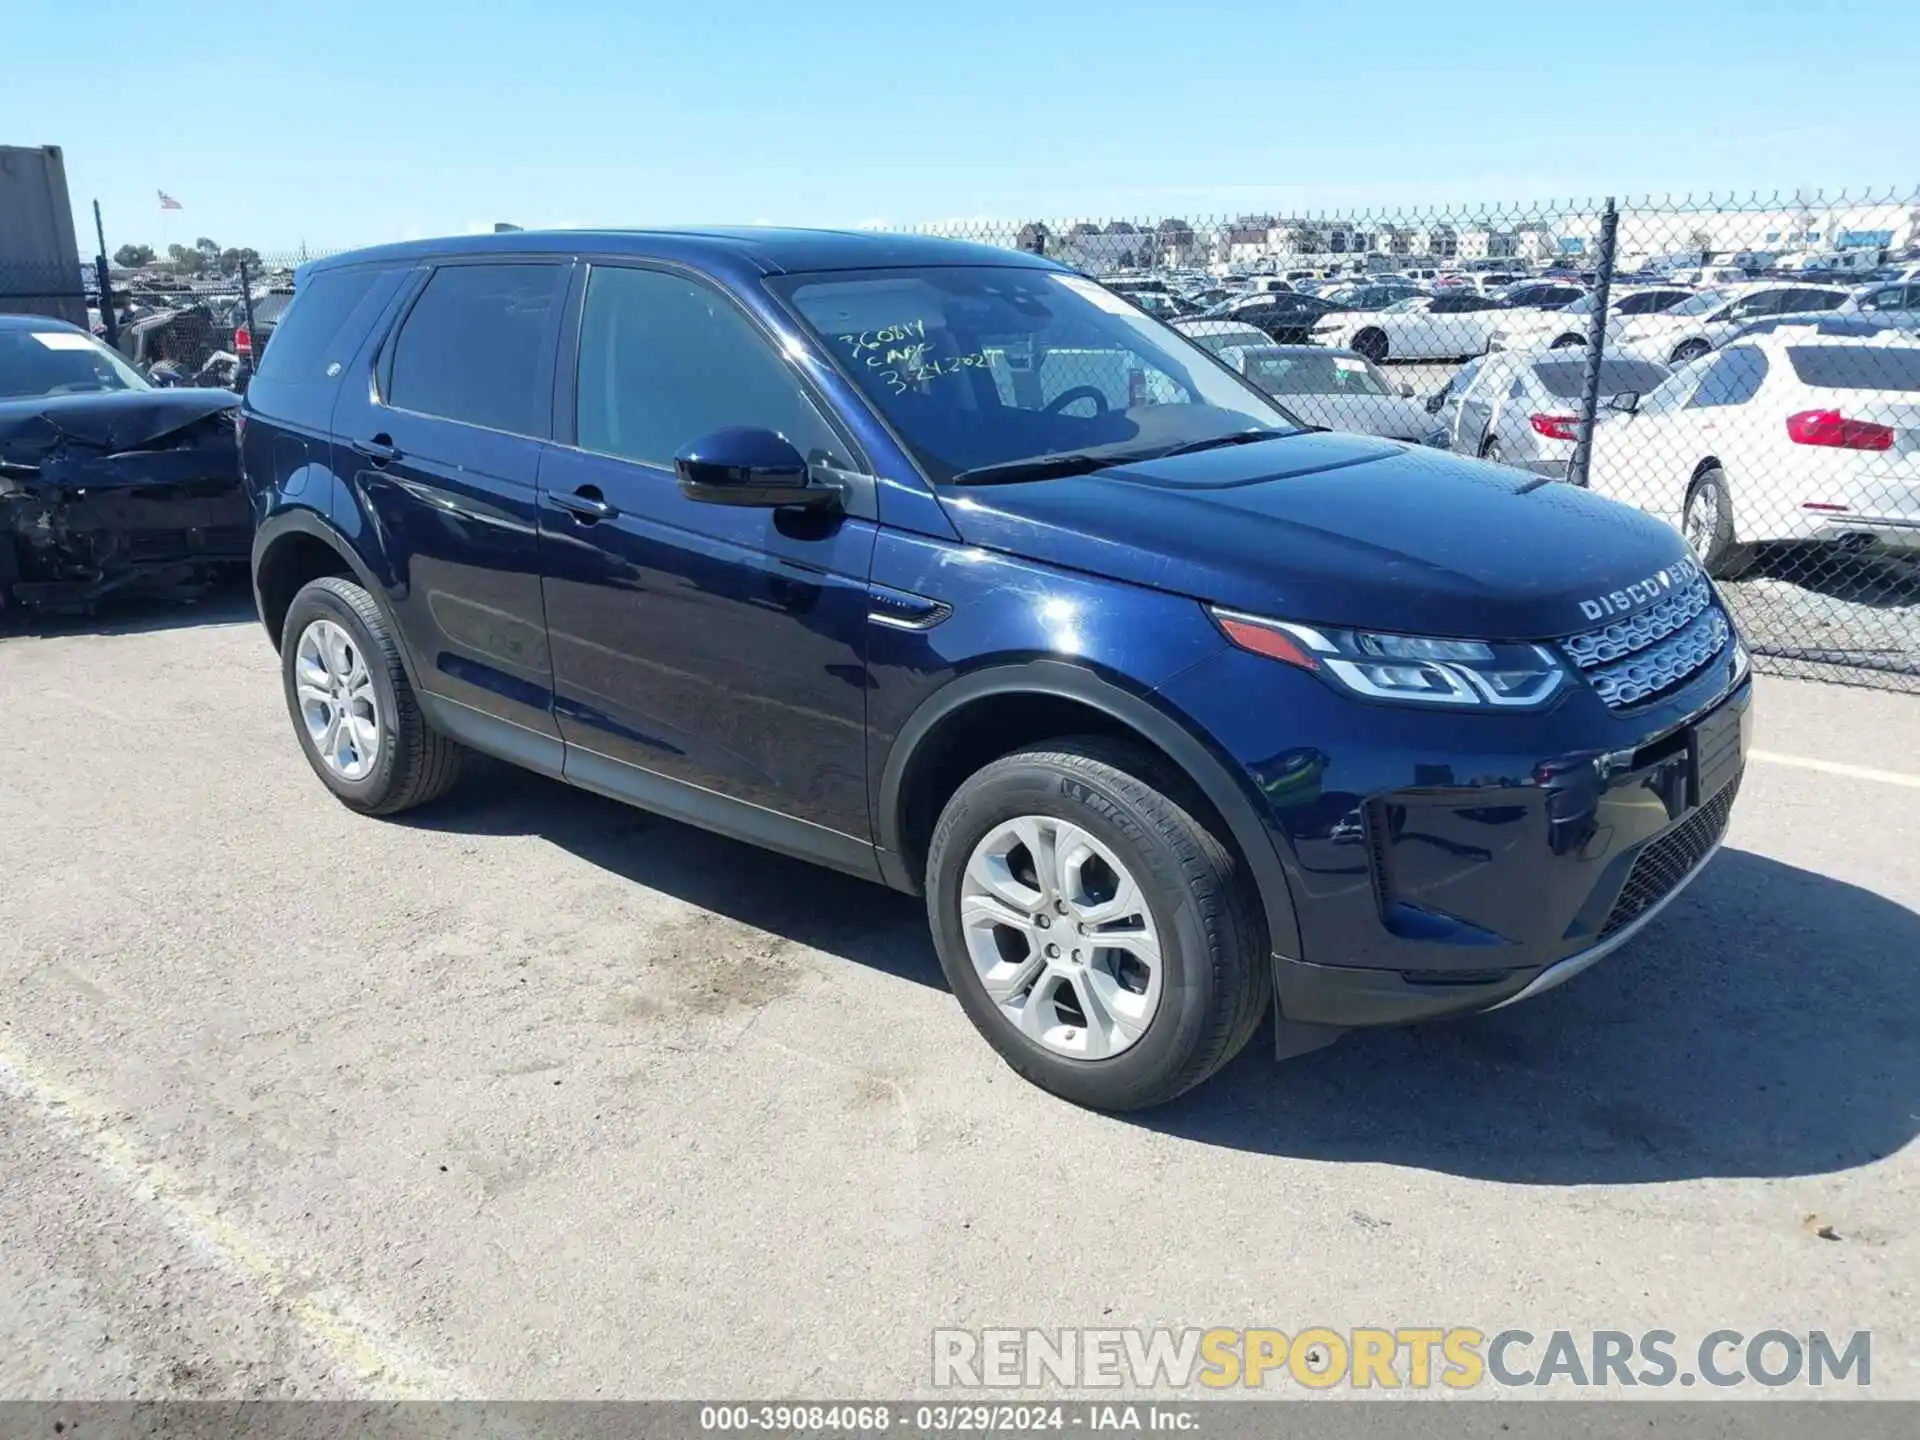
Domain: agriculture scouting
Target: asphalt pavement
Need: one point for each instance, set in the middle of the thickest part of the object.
(531, 1095)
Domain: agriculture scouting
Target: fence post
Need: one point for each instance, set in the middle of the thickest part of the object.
(1596, 346)
(243, 373)
(108, 319)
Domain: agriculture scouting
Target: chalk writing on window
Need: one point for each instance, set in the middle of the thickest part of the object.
(901, 356)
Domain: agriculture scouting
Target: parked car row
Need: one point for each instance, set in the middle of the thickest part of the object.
(1794, 433)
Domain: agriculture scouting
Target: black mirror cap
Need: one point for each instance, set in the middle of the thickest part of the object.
(745, 465)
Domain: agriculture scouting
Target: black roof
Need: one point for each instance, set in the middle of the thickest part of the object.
(772, 250)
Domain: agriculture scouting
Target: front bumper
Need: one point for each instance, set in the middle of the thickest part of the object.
(1444, 864)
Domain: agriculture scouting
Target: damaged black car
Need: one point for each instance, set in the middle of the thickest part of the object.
(109, 485)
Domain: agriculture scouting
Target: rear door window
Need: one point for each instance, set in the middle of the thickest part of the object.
(1797, 300)
(1731, 378)
(477, 347)
(1856, 367)
(1766, 302)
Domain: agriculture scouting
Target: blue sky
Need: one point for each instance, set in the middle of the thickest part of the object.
(343, 122)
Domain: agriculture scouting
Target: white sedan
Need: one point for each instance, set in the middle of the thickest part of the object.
(1566, 328)
(1787, 436)
(1693, 327)
(1421, 327)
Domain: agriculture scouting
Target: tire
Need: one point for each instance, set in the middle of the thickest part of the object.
(1214, 981)
(1707, 523)
(1372, 344)
(412, 763)
(1568, 342)
(1687, 351)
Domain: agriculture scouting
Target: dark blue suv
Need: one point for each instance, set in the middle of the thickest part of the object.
(944, 566)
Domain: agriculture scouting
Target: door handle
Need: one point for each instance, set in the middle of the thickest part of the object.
(380, 449)
(587, 505)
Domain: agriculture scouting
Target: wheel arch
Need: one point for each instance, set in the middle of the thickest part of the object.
(300, 545)
(988, 713)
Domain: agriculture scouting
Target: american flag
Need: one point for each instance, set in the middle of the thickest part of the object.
(167, 202)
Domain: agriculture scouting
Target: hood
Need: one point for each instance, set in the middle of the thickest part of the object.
(1339, 530)
(1394, 416)
(106, 423)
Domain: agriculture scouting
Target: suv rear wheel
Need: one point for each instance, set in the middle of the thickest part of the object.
(1096, 930)
(353, 708)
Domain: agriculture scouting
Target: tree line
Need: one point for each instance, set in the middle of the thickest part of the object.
(203, 257)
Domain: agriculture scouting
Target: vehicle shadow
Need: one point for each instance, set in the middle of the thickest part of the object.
(229, 602)
(1878, 581)
(823, 909)
(1767, 1025)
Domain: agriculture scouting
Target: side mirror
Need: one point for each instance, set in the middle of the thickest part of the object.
(1627, 402)
(748, 466)
(1406, 391)
(1435, 401)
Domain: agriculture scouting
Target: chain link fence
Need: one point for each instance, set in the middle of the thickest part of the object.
(1746, 369)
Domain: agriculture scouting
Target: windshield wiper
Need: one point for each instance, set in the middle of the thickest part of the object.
(1215, 442)
(1039, 467)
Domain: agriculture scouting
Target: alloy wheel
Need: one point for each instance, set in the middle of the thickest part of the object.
(338, 702)
(1061, 936)
(1702, 520)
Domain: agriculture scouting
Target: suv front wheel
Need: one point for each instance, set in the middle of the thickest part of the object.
(1096, 930)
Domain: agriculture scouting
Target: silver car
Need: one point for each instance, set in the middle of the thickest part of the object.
(1522, 407)
(1335, 389)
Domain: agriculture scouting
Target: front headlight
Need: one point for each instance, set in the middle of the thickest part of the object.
(1410, 669)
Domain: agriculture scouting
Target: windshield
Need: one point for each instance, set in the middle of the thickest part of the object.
(1302, 372)
(60, 362)
(978, 366)
(1703, 303)
(1566, 379)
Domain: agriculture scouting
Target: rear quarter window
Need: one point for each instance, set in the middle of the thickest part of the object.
(323, 324)
(1856, 367)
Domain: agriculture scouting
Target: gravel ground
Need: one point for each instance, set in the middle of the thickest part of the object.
(536, 1096)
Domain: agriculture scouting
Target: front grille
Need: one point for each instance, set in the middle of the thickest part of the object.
(148, 546)
(1664, 863)
(1633, 660)
(227, 539)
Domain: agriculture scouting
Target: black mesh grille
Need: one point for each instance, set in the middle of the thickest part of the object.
(1664, 863)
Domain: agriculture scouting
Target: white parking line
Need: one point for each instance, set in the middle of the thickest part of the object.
(1835, 767)
(367, 1351)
